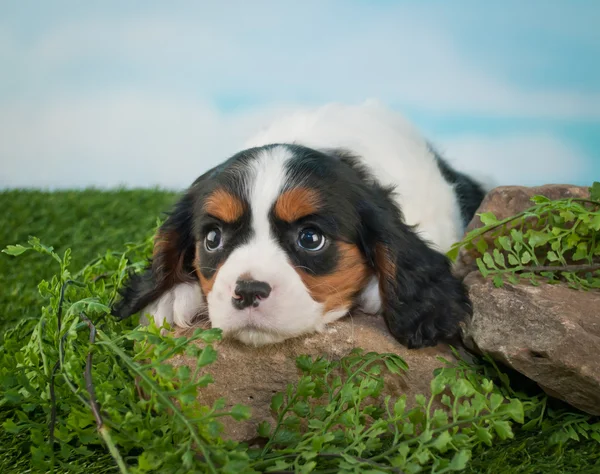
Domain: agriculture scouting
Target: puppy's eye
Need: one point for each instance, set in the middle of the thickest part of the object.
(311, 239)
(213, 240)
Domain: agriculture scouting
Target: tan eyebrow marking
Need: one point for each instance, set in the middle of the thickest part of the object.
(297, 203)
(224, 206)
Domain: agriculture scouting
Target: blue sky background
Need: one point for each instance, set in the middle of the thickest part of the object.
(146, 93)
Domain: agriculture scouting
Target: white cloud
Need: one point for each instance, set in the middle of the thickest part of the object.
(117, 140)
(140, 141)
(403, 54)
(516, 159)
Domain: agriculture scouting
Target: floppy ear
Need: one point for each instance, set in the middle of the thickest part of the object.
(171, 263)
(422, 302)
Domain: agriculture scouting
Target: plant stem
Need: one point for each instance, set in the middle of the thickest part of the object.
(563, 268)
(95, 407)
(105, 433)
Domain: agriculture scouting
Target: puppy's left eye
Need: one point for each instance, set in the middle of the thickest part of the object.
(311, 239)
(213, 240)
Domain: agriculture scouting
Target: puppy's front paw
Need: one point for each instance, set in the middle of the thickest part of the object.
(179, 306)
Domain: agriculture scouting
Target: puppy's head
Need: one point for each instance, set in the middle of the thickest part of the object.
(283, 239)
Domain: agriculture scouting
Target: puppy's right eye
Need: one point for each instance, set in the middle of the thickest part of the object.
(311, 239)
(213, 240)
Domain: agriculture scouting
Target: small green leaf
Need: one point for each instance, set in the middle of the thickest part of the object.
(538, 199)
(567, 215)
(400, 406)
(264, 429)
(304, 363)
(487, 385)
(498, 281)
(209, 335)
(482, 268)
(276, 402)
(207, 356)
(537, 238)
(301, 408)
(438, 384)
(15, 250)
(525, 258)
(499, 258)
(446, 400)
(488, 218)
(516, 235)
(495, 401)
(460, 460)
(442, 441)
(481, 246)
(595, 223)
(489, 261)
(10, 426)
(183, 373)
(505, 242)
(452, 254)
(462, 388)
(308, 467)
(514, 409)
(408, 428)
(241, 412)
(149, 461)
(552, 256)
(503, 429)
(188, 459)
(306, 386)
(484, 435)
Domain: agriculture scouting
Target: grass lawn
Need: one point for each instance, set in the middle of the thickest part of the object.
(92, 222)
(89, 222)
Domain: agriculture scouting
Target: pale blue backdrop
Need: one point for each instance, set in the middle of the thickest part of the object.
(145, 93)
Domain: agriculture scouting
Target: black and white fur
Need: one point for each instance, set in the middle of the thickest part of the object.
(382, 186)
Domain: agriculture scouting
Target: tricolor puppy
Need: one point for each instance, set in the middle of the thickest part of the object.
(327, 211)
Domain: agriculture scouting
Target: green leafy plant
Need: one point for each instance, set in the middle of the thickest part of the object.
(75, 385)
(555, 240)
(78, 386)
(330, 420)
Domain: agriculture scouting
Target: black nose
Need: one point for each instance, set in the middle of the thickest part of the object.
(250, 293)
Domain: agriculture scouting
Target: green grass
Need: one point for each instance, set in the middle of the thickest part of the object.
(91, 222)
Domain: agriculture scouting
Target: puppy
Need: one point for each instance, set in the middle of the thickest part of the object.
(326, 211)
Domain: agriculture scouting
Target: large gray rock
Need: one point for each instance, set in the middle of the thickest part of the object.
(251, 376)
(550, 333)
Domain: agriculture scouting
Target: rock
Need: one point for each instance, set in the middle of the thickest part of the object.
(506, 201)
(251, 376)
(549, 333)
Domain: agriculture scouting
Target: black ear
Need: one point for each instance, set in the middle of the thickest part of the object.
(422, 302)
(171, 263)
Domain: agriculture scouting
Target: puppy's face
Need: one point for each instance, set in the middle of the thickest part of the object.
(282, 239)
(276, 238)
